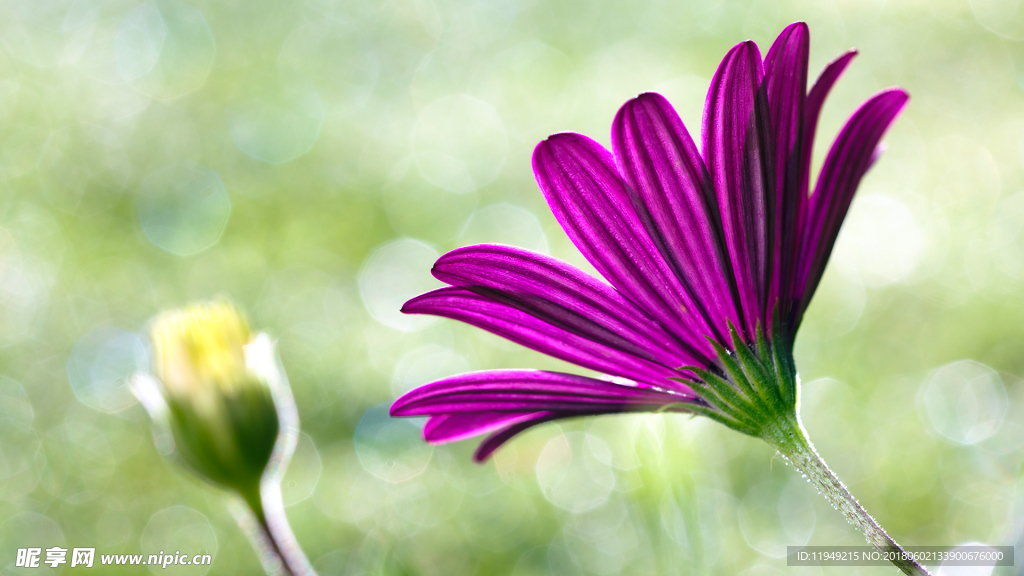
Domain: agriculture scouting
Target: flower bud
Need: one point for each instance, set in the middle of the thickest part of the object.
(211, 391)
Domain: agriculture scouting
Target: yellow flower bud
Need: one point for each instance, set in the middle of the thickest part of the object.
(211, 373)
(200, 350)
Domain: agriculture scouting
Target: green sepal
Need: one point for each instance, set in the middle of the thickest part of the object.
(785, 370)
(764, 352)
(723, 419)
(232, 446)
(734, 371)
(754, 371)
(754, 386)
(719, 393)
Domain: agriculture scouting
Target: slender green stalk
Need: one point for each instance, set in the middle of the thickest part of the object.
(273, 534)
(788, 437)
(754, 390)
(249, 516)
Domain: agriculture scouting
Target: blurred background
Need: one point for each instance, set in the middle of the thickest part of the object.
(311, 159)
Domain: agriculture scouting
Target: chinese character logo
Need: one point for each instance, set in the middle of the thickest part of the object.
(56, 556)
(82, 557)
(28, 557)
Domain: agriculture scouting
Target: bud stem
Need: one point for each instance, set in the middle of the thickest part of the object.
(274, 531)
(787, 435)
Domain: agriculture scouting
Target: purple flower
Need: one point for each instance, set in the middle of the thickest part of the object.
(710, 259)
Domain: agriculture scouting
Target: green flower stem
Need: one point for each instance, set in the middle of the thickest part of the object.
(787, 435)
(754, 389)
(274, 533)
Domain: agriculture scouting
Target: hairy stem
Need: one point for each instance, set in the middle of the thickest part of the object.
(274, 532)
(787, 435)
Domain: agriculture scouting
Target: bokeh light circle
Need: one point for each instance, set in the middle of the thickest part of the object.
(183, 208)
(164, 48)
(391, 449)
(83, 452)
(571, 476)
(30, 252)
(30, 530)
(505, 224)
(334, 563)
(606, 541)
(951, 569)
(347, 79)
(20, 454)
(393, 274)
(965, 401)
(179, 529)
(772, 519)
(425, 364)
(880, 241)
(276, 119)
(101, 365)
(48, 34)
(460, 143)
(303, 472)
(14, 402)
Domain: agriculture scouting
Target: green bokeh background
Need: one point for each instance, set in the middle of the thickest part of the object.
(310, 159)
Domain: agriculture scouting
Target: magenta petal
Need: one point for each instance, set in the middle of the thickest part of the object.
(812, 110)
(785, 77)
(564, 296)
(499, 438)
(588, 197)
(445, 428)
(848, 160)
(488, 312)
(676, 203)
(740, 158)
(506, 402)
(815, 100)
(524, 391)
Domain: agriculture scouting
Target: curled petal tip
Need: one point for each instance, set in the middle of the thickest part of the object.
(640, 101)
(795, 26)
(545, 141)
(645, 97)
(400, 407)
(558, 137)
(412, 305)
(447, 259)
(434, 271)
(543, 146)
(551, 148)
(396, 407)
(895, 94)
(739, 50)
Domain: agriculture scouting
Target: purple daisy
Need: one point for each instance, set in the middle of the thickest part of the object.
(691, 246)
(710, 261)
